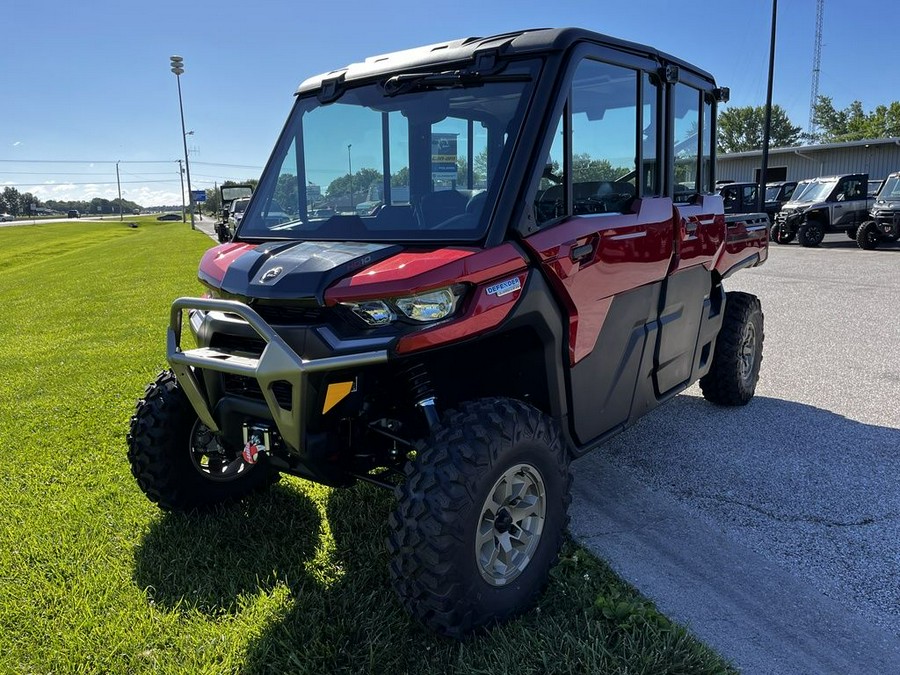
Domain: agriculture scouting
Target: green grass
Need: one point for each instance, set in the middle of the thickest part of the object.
(94, 578)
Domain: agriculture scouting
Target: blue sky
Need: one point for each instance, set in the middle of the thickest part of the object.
(87, 84)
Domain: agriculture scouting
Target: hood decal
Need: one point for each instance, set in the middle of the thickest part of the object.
(299, 270)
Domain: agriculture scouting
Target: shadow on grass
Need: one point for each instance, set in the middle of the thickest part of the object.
(345, 617)
(207, 561)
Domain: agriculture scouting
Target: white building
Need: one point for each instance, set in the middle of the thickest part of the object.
(877, 157)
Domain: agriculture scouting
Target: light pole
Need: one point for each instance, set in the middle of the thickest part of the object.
(350, 168)
(177, 64)
(181, 176)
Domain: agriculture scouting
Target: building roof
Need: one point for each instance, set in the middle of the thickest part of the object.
(812, 148)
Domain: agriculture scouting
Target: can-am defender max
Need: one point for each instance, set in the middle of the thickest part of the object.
(545, 267)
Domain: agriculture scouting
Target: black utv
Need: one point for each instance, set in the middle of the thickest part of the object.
(829, 204)
(885, 216)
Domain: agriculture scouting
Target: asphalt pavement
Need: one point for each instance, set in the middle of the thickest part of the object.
(773, 530)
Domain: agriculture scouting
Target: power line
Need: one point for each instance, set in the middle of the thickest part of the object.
(66, 183)
(91, 161)
(233, 166)
(73, 173)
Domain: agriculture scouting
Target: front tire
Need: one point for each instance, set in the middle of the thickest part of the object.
(732, 378)
(480, 519)
(780, 235)
(867, 236)
(178, 462)
(811, 233)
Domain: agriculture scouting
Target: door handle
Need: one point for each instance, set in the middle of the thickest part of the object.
(581, 253)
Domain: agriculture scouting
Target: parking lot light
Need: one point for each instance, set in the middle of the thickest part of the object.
(177, 66)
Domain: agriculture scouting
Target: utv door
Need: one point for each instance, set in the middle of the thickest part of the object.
(606, 238)
(851, 206)
(631, 269)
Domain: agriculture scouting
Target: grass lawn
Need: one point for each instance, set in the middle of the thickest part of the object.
(94, 578)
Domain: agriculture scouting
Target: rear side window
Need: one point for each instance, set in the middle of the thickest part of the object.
(686, 141)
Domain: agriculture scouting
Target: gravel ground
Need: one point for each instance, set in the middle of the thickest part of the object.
(805, 476)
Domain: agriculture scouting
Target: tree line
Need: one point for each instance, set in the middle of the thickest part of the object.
(741, 128)
(26, 204)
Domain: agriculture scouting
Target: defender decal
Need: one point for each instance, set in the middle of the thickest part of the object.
(504, 287)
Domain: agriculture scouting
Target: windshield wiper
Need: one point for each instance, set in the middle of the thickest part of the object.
(406, 82)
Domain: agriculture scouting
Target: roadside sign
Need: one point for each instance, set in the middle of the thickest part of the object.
(199, 195)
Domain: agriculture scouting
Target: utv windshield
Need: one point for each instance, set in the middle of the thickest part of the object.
(417, 158)
(890, 189)
(818, 192)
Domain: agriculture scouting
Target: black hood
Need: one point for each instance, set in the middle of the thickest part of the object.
(299, 270)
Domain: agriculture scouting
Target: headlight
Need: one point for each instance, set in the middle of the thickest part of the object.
(373, 312)
(431, 306)
(423, 307)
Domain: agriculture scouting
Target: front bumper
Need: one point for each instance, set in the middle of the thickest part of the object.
(278, 363)
(888, 221)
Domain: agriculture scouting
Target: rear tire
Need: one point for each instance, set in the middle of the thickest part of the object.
(732, 378)
(178, 463)
(867, 236)
(480, 519)
(811, 233)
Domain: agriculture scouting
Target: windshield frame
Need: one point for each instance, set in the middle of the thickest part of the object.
(342, 226)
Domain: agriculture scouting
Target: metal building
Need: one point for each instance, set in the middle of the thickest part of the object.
(877, 157)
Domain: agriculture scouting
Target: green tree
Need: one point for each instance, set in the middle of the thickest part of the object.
(11, 201)
(286, 193)
(401, 178)
(853, 123)
(362, 181)
(741, 129)
(586, 168)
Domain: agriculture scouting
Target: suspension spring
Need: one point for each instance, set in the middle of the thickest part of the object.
(419, 382)
(423, 393)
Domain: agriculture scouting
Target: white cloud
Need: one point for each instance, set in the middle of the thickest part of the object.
(17, 143)
(140, 194)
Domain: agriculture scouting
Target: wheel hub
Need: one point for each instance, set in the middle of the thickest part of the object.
(211, 459)
(748, 352)
(510, 525)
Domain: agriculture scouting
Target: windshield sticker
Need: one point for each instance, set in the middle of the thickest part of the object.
(505, 287)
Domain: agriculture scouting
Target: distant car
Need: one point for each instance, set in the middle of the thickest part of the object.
(169, 216)
(5, 217)
(73, 214)
(778, 193)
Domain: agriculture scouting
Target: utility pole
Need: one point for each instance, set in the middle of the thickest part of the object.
(767, 127)
(119, 185)
(181, 176)
(350, 174)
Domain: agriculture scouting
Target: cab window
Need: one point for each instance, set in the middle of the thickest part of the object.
(601, 117)
(686, 142)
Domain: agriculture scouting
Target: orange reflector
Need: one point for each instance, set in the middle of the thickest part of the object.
(335, 394)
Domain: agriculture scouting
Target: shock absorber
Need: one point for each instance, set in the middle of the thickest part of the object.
(422, 393)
